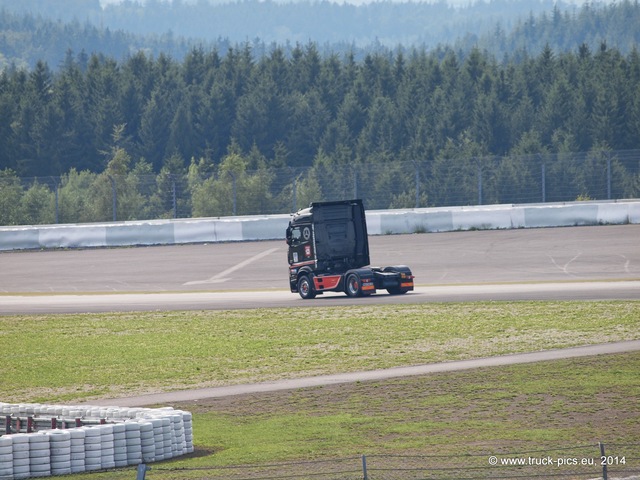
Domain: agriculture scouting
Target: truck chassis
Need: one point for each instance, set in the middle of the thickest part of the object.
(358, 282)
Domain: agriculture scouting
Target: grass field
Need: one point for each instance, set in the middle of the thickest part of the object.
(72, 358)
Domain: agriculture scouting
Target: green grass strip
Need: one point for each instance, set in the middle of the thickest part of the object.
(67, 358)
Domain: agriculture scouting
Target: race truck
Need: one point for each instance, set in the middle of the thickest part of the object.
(329, 252)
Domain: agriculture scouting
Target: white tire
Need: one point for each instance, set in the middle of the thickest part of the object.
(60, 451)
(20, 455)
(91, 432)
(39, 461)
(43, 453)
(19, 439)
(59, 436)
(37, 438)
(41, 468)
(20, 470)
(77, 433)
(60, 465)
(92, 453)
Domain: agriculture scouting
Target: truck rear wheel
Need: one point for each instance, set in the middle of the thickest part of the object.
(397, 290)
(305, 288)
(353, 286)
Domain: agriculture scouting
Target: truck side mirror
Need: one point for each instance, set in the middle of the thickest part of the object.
(288, 237)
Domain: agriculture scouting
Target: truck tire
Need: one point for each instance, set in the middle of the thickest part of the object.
(305, 288)
(353, 286)
(396, 290)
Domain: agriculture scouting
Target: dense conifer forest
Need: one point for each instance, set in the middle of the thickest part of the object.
(297, 110)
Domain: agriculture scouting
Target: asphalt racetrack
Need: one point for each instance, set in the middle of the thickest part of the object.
(588, 263)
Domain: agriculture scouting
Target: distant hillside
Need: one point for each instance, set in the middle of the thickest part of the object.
(33, 30)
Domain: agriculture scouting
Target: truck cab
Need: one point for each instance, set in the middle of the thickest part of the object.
(329, 251)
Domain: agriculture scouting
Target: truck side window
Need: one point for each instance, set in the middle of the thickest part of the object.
(296, 234)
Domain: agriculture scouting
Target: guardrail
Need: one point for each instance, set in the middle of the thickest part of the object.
(41, 440)
(272, 227)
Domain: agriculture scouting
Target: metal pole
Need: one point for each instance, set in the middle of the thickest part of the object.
(608, 175)
(479, 183)
(174, 198)
(544, 185)
(364, 467)
(234, 195)
(355, 182)
(417, 175)
(603, 461)
(142, 470)
(115, 198)
(295, 200)
(57, 204)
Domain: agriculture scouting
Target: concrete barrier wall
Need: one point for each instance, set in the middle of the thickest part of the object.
(110, 437)
(271, 227)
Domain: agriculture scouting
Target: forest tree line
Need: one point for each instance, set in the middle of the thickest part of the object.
(298, 110)
(224, 122)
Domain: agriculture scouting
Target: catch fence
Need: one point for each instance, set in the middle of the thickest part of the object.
(216, 191)
(593, 461)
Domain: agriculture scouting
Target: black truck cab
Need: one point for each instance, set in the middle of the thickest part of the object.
(329, 251)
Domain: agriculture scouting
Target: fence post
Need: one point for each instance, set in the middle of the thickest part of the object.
(294, 194)
(142, 471)
(233, 177)
(544, 184)
(115, 198)
(364, 467)
(355, 182)
(608, 175)
(57, 204)
(604, 463)
(174, 196)
(417, 184)
(479, 182)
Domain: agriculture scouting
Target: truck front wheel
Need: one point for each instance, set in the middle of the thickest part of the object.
(305, 288)
(353, 285)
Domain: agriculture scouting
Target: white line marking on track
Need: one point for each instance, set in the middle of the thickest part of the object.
(222, 276)
(565, 267)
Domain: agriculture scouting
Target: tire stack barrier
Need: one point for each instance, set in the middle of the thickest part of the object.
(20, 455)
(39, 455)
(6, 458)
(133, 442)
(119, 445)
(43, 440)
(77, 449)
(60, 441)
(93, 448)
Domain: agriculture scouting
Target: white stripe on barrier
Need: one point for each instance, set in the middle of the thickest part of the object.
(272, 227)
